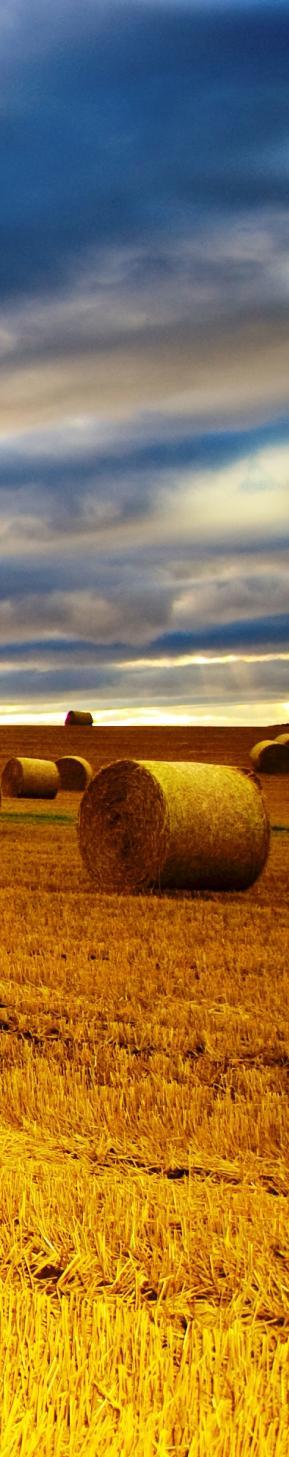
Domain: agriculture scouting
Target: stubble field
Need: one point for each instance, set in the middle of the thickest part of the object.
(144, 1080)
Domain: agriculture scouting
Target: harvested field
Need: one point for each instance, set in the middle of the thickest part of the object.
(144, 1067)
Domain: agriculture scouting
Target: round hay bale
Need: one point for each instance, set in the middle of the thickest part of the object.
(74, 772)
(270, 757)
(76, 717)
(185, 826)
(30, 779)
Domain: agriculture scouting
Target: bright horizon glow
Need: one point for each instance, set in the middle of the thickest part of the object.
(261, 714)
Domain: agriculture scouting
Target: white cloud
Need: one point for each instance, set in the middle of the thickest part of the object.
(196, 323)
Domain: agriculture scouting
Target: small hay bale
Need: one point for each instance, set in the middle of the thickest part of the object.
(270, 757)
(185, 826)
(30, 779)
(76, 717)
(74, 772)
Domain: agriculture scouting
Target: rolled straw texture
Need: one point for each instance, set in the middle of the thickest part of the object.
(185, 826)
(270, 757)
(30, 779)
(75, 717)
(74, 772)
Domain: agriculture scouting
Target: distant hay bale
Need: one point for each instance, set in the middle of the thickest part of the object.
(76, 717)
(74, 772)
(185, 826)
(30, 779)
(270, 756)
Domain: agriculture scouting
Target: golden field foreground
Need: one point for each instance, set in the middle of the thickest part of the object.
(144, 1087)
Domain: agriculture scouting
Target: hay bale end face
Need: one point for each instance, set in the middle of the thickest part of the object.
(74, 772)
(30, 779)
(183, 826)
(270, 757)
(76, 717)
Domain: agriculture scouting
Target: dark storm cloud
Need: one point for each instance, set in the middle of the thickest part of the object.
(61, 495)
(264, 633)
(245, 637)
(144, 355)
(124, 124)
(138, 461)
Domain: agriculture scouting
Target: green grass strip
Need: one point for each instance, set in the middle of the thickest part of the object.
(34, 818)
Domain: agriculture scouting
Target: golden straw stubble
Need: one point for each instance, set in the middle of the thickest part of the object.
(183, 826)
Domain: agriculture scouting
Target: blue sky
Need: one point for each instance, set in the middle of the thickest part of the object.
(144, 359)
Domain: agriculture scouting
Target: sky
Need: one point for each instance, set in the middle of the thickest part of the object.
(144, 360)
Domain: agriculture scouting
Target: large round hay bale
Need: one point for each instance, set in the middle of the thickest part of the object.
(30, 779)
(270, 757)
(74, 772)
(185, 826)
(75, 716)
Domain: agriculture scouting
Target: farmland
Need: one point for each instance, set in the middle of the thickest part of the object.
(144, 1065)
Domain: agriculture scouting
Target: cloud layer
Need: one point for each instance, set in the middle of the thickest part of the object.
(144, 356)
